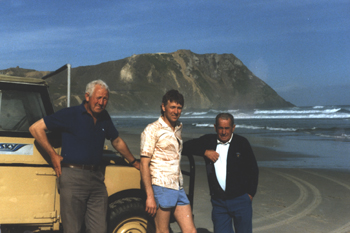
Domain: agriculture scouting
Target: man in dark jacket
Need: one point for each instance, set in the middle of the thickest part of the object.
(232, 175)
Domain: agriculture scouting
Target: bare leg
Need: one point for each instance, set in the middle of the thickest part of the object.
(162, 219)
(183, 216)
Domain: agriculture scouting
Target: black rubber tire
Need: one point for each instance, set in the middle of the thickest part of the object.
(128, 215)
(5, 229)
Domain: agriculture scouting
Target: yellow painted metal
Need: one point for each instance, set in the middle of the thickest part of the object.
(37, 156)
(28, 192)
(27, 195)
(118, 178)
(132, 225)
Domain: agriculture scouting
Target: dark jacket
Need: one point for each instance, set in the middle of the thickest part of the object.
(242, 168)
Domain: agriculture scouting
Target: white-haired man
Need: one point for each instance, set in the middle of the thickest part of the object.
(83, 129)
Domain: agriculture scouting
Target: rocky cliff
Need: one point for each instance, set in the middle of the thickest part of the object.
(138, 82)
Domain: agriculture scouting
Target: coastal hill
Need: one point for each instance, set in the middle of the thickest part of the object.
(137, 83)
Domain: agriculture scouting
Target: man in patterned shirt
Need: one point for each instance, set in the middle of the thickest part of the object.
(161, 146)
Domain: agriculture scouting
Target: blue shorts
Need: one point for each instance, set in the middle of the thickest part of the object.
(169, 198)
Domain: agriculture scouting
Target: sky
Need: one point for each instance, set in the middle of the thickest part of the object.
(301, 48)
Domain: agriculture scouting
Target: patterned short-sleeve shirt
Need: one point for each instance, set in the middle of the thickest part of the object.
(164, 146)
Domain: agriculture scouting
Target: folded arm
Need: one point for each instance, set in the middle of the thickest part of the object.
(198, 147)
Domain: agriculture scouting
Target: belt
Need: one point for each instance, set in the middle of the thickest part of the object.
(81, 166)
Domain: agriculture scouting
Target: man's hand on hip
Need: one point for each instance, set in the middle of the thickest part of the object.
(56, 162)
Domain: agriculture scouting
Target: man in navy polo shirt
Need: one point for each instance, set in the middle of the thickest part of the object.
(84, 128)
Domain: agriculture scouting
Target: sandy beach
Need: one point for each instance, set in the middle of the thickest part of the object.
(287, 200)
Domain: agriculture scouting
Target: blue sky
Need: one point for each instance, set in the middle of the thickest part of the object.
(300, 48)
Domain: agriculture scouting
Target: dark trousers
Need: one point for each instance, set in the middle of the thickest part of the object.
(83, 198)
(237, 212)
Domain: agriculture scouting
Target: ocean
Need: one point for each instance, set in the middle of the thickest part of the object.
(320, 133)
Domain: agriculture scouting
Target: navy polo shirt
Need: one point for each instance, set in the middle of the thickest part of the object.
(82, 140)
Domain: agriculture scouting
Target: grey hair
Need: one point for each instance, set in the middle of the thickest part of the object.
(224, 116)
(90, 87)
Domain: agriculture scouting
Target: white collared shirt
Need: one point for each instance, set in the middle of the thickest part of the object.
(221, 164)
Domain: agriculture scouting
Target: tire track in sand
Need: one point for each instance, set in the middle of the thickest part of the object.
(302, 197)
(346, 227)
(300, 183)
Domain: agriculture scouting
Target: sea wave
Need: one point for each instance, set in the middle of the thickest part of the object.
(327, 111)
(338, 115)
(342, 136)
(266, 127)
(310, 116)
(248, 127)
(199, 113)
(332, 132)
(316, 112)
(203, 125)
(345, 110)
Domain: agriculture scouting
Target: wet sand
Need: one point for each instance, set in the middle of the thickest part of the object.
(287, 200)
